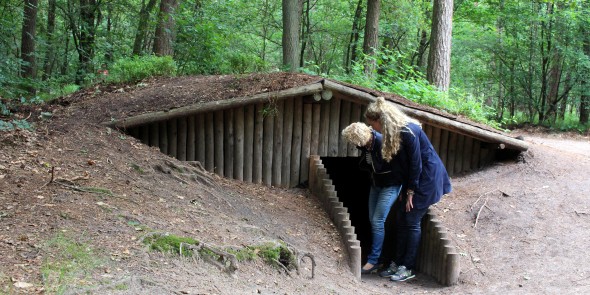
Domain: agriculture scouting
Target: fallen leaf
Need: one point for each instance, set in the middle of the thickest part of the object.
(23, 285)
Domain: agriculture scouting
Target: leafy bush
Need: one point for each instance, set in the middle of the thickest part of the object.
(138, 68)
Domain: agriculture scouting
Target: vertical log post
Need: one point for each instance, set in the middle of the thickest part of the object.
(239, 143)
(305, 142)
(287, 142)
(344, 121)
(210, 142)
(315, 128)
(191, 138)
(200, 139)
(277, 157)
(267, 150)
(248, 142)
(182, 138)
(334, 135)
(297, 134)
(173, 138)
(324, 129)
(163, 130)
(258, 144)
(229, 143)
(219, 148)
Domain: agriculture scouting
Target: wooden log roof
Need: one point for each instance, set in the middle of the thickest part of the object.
(182, 96)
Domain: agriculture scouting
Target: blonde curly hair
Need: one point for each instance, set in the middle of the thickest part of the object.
(357, 133)
(392, 120)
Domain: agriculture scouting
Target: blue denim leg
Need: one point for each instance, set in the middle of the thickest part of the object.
(380, 201)
(409, 237)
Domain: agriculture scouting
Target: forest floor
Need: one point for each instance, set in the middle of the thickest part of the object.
(76, 203)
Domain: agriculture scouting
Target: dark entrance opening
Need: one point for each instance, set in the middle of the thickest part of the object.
(353, 186)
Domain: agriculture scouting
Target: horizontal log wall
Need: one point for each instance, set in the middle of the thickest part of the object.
(271, 143)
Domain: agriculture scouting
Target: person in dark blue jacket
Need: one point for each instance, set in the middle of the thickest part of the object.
(426, 179)
(386, 184)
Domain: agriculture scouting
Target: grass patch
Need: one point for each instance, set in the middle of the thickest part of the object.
(169, 243)
(72, 261)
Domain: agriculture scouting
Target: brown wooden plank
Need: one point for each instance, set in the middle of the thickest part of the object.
(287, 142)
(355, 116)
(249, 112)
(467, 151)
(444, 145)
(258, 144)
(154, 135)
(334, 134)
(163, 131)
(173, 138)
(267, 148)
(228, 142)
(200, 140)
(344, 121)
(296, 143)
(210, 142)
(144, 134)
(277, 157)
(305, 142)
(191, 138)
(436, 138)
(451, 154)
(219, 148)
(239, 143)
(182, 138)
(315, 128)
(475, 154)
(458, 168)
(324, 128)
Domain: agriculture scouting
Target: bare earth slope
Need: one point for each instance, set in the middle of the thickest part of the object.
(531, 235)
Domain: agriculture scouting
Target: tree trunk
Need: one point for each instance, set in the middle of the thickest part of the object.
(371, 35)
(585, 97)
(28, 41)
(49, 58)
(165, 32)
(88, 14)
(291, 24)
(438, 72)
(350, 57)
(305, 31)
(140, 35)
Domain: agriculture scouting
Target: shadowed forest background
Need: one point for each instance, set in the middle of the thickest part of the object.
(504, 63)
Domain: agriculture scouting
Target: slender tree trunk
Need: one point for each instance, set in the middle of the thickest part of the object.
(48, 60)
(305, 31)
(144, 17)
(29, 29)
(546, 48)
(371, 36)
(585, 97)
(351, 49)
(88, 14)
(165, 32)
(439, 58)
(291, 24)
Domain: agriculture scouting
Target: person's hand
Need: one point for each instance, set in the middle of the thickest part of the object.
(409, 204)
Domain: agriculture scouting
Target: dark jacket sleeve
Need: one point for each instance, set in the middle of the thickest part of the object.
(411, 146)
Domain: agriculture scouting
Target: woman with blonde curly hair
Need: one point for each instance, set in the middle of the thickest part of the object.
(426, 179)
(386, 184)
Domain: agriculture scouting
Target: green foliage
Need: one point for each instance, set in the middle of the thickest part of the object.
(15, 124)
(169, 243)
(392, 79)
(70, 262)
(138, 68)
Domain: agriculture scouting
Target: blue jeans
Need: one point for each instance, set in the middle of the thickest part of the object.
(380, 201)
(408, 236)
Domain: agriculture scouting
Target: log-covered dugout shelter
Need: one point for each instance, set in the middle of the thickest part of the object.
(262, 128)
